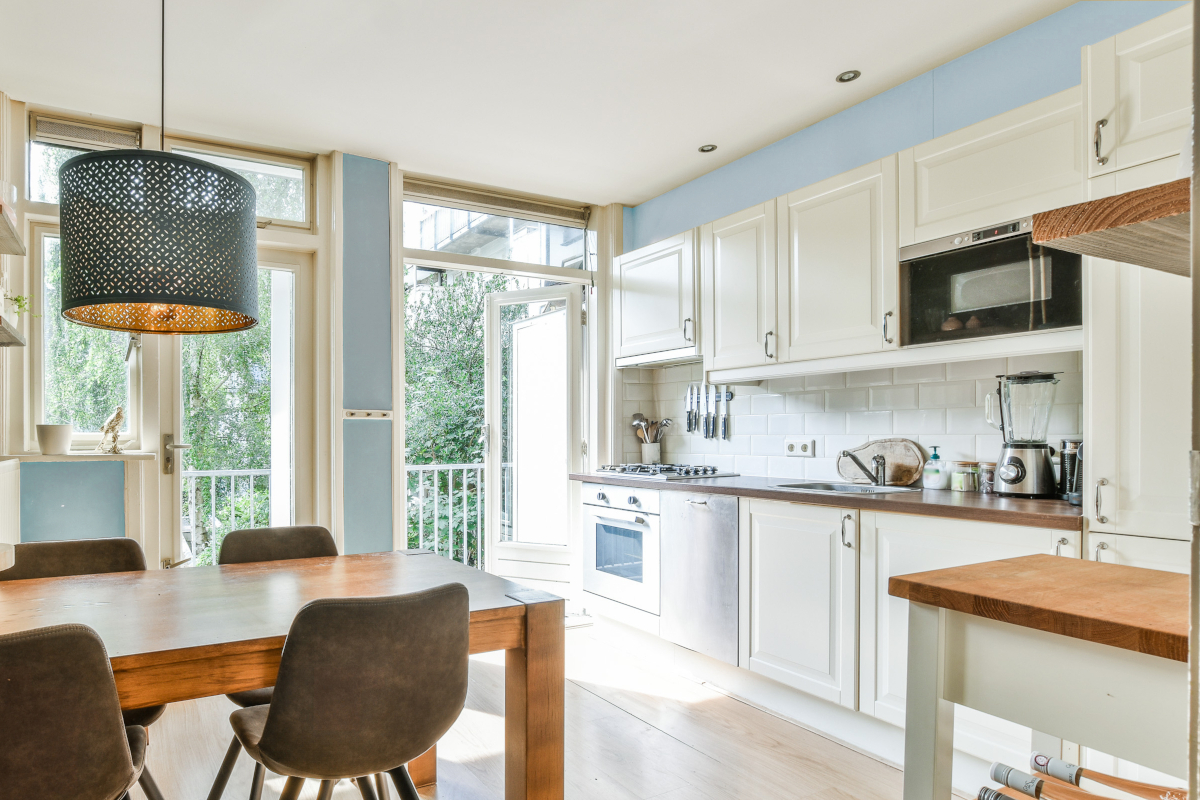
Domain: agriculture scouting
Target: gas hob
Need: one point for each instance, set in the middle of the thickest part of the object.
(665, 472)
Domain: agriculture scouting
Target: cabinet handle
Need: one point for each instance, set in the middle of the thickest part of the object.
(1100, 546)
(687, 338)
(1059, 545)
(844, 542)
(698, 502)
(1101, 160)
(766, 340)
(1100, 517)
(885, 321)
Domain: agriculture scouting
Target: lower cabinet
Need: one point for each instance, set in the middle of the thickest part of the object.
(798, 585)
(1168, 555)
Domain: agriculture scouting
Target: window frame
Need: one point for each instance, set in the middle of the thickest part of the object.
(36, 410)
(307, 163)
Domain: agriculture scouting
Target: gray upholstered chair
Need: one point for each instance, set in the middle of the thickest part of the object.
(64, 738)
(82, 557)
(365, 685)
(265, 544)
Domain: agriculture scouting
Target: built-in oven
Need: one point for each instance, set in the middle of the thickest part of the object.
(621, 545)
(988, 282)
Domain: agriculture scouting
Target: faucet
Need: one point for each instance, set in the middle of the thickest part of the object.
(879, 476)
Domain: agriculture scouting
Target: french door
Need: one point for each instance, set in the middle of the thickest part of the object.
(533, 434)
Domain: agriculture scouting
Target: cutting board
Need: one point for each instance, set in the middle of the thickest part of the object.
(905, 461)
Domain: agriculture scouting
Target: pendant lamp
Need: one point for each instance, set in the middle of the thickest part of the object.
(157, 242)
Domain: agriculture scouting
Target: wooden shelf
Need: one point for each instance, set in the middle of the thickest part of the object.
(10, 236)
(84, 455)
(1149, 227)
(10, 336)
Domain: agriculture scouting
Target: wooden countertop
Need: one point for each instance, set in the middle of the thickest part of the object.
(1144, 610)
(1056, 514)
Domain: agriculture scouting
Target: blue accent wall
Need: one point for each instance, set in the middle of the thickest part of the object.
(366, 284)
(1036, 61)
(83, 500)
(367, 478)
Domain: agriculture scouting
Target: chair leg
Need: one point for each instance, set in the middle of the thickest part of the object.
(291, 789)
(365, 788)
(326, 790)
(256, 783)
(218, 787)
(381, 787)
(404, 783)
(146, 781)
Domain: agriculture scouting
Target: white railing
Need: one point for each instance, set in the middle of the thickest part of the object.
(198, 527)
(456, 490)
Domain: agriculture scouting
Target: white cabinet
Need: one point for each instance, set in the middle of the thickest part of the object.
(1138, 90)
(798, 603)
(838, 270)
(1168, 555)
(738, 268)
(893, 544)
(1137, 400)
(656, 297)
(1026, 160)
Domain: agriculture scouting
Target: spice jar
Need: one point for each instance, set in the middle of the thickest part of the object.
(965, 476)
(987, 477)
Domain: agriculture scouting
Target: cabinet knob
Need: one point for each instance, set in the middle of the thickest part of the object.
(602, 497)
(633, 501)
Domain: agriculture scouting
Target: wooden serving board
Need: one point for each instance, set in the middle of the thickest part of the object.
(905, 461)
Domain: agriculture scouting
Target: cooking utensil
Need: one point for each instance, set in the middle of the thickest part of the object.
(662, 429)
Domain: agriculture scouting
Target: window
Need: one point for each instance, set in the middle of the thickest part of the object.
(281, 184)
(44, 161)
(53, 140)
(478, 233)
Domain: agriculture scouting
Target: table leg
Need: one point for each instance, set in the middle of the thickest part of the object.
(423, 768)
(534, 695)
(928, 718)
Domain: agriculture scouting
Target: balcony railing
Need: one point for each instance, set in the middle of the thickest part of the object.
(217, 501)
(444, 510)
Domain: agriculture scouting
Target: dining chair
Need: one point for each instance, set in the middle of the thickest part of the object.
(65, 739)
(252, 545)
(83, 557)
(365, 685)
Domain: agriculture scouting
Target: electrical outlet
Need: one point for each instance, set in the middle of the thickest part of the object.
(800, 448)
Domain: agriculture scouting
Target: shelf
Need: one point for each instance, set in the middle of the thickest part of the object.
(1149, 227)
(10, 236)
(10, 336)
(84, 455)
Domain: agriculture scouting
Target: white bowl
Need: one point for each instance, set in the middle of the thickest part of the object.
(54, 440)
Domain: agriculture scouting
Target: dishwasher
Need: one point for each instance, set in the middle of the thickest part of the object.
(698, 564)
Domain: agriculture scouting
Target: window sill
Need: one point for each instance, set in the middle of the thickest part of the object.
(84, 455)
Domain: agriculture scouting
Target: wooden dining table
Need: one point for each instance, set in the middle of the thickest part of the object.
(182, 634)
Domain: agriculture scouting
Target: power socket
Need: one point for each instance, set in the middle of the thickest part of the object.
(800, 448)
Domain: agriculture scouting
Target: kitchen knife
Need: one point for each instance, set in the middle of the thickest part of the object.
(710, 400)
(702, 410)
(691, 408)
(725, 412)
(687, 408)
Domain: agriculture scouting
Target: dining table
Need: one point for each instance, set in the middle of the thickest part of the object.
(181, 634)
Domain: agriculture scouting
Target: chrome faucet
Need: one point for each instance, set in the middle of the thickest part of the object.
(879, 476)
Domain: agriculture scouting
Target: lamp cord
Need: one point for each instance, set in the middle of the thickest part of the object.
(162, 81)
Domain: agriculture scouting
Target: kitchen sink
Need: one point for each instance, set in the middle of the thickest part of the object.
(845, 488)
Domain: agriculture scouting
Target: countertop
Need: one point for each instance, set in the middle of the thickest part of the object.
(1135, 609)
(1056, 514)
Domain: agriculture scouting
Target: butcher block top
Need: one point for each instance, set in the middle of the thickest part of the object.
(1144, 610)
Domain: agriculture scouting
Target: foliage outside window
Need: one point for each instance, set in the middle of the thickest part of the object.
(457, 230)
(44, 161)
(280, 189)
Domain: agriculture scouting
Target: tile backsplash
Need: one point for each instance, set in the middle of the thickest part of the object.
(936, 404)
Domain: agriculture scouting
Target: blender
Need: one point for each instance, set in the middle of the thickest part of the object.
(1025, 400)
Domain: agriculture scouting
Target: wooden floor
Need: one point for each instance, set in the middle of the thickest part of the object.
(632, 734)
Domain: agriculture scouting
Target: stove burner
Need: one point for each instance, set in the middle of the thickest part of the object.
(664, 471)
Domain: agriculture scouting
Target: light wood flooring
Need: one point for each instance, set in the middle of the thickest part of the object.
(632, 733)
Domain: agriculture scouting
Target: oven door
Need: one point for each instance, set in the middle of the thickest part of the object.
(621, 556)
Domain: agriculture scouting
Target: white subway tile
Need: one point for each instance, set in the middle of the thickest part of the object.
(890, 398)
(960, 394)
(750, 465)
(987, 448)
(1047, 362)
(1069, 389)
(768, 404)
(766, 445)
(734, 445)
(781, 467)
(749, 390)
(976, 370)
(982, 388)
(869, 377)
(921, 373)
(967, 420)
(702, 445)
(723, 463)
(739, 405)
(748, 424)
(786, 385)
(681, 372)
(950, 448)
(785, 423)
(825, 423)
(821, 469)
(1064, 419)
(631, 407)
(869, 422)
(805, 403)
(833, 380)
(910, 423)
(639, 391)
(834, 445)
(846, 400)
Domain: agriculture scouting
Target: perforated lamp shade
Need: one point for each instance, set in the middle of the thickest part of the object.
(156, 242)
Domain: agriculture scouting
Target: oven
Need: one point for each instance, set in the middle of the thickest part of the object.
(621, 545)
(989, 282)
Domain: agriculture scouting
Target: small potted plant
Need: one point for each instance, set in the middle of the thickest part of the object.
(16, 305)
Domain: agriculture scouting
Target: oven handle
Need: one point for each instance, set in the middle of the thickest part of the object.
(632, 520)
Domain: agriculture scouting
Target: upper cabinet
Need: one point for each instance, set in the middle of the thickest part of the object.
(738, 268)
(1138, 90)
(1026, 160)
(656, 300)
(838, 269)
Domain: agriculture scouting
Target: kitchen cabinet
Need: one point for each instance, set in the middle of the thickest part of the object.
(738, 269)
(1022, 161)
(1138, 91)
(656, 299)
(895, 544)
(798, 604)
(1137, 395)
(838, 272)
(1168, 555)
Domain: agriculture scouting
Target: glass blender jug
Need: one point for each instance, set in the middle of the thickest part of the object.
(1023, 402)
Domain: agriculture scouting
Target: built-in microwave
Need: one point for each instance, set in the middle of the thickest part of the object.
(988, 282)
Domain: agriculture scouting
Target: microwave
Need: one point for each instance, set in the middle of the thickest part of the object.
(987, 282)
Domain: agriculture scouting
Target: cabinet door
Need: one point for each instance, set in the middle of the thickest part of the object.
(1139, 85)
(802, 596)
(894, 544)
(739, 288)
(656, 296)
(1168, 555)
(838, 257)
(1026, 160)
(1137, 400)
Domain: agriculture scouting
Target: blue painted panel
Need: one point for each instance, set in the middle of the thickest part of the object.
(367, 485)
(84, 500)
(366, 284)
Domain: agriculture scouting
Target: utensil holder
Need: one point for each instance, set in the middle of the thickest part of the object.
(54, 440)
(652, 453)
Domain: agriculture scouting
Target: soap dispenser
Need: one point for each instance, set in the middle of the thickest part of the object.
(937, 472)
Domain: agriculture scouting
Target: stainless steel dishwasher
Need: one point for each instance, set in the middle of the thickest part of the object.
(699, 573)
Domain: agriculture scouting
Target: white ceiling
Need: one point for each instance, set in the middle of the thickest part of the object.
(602, 101)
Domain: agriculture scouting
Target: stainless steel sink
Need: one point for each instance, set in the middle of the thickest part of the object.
(844, 488)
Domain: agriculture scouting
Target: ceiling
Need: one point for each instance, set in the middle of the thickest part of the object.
(592, 101)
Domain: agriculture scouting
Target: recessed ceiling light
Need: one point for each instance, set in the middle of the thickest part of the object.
(848, 75)
(707, 148)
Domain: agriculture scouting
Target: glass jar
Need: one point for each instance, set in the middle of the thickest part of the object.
(987, 477)
(964, 476)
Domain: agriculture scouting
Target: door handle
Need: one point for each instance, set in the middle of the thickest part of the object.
(766, 340)
(1101, 160)
(844, 542)
(1100, 517)
(687, 338)
(169, 448)
(885, 322)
